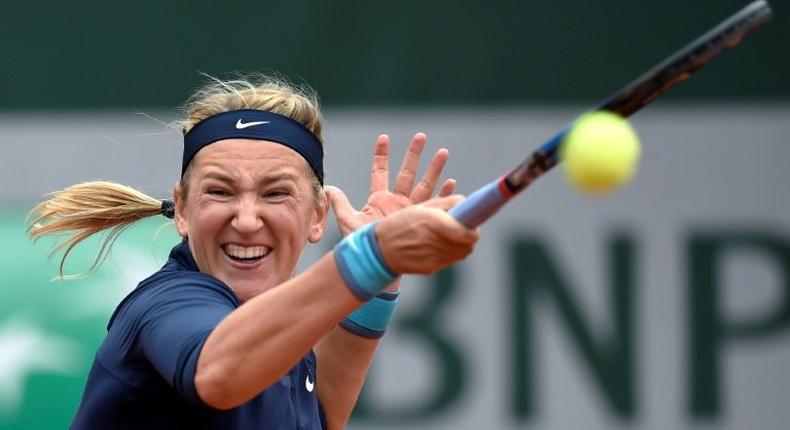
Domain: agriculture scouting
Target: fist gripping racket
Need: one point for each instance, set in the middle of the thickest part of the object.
(487, 200)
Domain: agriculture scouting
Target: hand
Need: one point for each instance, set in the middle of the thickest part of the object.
(424, 238)
(382, 201)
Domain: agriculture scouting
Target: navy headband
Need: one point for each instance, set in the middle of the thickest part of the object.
(255, 124)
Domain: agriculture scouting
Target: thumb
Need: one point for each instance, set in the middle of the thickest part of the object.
(444, 203)
(339, 201)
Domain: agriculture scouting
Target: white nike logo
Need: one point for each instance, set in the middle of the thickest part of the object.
(241, 125)
(309, 384)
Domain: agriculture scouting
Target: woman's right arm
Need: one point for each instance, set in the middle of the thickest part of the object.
(259, 342)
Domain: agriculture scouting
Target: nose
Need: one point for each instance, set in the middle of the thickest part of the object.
(247, 218)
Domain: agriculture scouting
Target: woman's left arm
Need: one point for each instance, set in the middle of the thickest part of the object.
(344, 357)
(343, 362)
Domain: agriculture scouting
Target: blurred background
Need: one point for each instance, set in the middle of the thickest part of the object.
(666, 305)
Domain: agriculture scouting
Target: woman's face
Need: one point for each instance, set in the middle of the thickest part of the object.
(248, 213)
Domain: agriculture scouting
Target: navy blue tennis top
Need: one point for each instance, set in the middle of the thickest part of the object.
(143, 376)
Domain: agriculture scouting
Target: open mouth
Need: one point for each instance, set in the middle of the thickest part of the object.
(246, 254)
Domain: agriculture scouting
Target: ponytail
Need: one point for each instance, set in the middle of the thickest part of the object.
(85, 209)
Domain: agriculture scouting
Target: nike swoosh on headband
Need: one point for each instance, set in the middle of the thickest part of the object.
(242, 125)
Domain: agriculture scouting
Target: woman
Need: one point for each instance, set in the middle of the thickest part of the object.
(225, 335)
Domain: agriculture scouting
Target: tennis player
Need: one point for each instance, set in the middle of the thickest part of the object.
(225, 335)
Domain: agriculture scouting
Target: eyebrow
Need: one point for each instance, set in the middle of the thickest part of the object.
(268, 179)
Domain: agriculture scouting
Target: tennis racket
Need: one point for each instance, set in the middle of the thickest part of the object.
(487, 200)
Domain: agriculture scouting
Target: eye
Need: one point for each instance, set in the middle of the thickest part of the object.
(274, 194)
(219, 192)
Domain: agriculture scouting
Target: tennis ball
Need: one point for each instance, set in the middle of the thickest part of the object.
(600, 152)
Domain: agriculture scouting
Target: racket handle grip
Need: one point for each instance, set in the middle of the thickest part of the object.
(480, 205)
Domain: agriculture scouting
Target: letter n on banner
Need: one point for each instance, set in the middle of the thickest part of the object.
(537, 278)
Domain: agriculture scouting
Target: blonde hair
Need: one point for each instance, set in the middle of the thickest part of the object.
(82, 210)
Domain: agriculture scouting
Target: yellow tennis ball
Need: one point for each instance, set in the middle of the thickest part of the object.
(600, 152)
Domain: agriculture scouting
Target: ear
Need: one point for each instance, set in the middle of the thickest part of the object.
(320, 216)
(180, 218)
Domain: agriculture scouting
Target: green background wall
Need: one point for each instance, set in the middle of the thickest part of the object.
(148, 53)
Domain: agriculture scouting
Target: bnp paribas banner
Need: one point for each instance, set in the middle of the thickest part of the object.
(664, 306)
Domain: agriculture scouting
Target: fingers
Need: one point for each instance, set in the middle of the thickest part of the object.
(408, 169)
(427, 184)
(404, 182)
(379, 172)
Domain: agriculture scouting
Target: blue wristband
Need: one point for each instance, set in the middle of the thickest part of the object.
(371, 319)
(361, 265)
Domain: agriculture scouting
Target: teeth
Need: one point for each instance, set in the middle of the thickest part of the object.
(237, 251)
